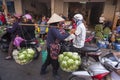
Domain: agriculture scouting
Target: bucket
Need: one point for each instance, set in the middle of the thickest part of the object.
(102, 44)
(117, 46)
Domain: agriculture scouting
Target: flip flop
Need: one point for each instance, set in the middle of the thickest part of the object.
(8, 58)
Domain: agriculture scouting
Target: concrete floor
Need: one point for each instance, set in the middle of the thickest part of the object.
(10, 70)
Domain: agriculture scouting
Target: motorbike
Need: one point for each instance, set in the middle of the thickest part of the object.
(4, 41)
(111, 62)
(90, 38)
(105, 69)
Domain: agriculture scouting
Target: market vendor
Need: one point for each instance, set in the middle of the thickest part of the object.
(53, 35)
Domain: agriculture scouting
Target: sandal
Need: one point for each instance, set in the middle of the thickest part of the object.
(8, 58)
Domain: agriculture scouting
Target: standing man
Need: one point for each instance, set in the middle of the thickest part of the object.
(78, 34)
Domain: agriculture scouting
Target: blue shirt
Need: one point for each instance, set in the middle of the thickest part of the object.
(54, 34)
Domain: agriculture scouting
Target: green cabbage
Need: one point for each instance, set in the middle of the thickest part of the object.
(69, 61)
(23, 56)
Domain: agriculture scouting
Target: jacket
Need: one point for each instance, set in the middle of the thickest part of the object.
(54, 34)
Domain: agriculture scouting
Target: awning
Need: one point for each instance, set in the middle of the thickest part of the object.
(84, 0)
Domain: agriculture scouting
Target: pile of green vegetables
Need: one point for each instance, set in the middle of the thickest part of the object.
(23, 56)
(69, 61)
(102, 32)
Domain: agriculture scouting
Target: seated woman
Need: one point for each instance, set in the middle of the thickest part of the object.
(15, 30)
(28, 30)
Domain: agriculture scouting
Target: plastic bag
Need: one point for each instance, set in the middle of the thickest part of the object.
(17, 41)
(54, 50)
(44, 55)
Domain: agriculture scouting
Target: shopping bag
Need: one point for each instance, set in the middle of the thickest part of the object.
(44, 56)
(54, 50)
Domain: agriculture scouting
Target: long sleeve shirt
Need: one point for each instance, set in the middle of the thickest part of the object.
(54, 34)
(78, 37)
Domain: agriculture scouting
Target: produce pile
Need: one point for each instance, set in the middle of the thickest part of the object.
(102, 32)
(23, 56)
(99, 28)
(106, 31)
(69, 61)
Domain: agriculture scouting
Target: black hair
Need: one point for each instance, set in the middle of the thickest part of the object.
(54, 24)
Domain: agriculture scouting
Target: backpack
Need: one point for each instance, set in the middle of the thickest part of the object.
(54, 50)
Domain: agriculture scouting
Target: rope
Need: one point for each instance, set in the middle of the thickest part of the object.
(23, 35)
(22, 30)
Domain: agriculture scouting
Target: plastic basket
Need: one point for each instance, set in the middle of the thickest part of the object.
(117, 46)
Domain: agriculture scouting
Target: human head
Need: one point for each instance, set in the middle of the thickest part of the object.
(102, 14)
(78, 17)
(55, 19)
(44, 18)
(27, 17)
(17, 17)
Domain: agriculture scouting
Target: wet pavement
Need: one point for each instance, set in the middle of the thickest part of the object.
(10, 70)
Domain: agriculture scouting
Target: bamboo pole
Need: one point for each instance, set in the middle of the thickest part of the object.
(21, 24)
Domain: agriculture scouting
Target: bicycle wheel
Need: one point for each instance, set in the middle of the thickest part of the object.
(74, 77)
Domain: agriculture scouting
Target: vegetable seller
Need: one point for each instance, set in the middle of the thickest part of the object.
(78, 35)
(52, 35)
(15, 30)
(28, 31)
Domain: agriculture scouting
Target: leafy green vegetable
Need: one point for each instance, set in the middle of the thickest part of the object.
(69, 61)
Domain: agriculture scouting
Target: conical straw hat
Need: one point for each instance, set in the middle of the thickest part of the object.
(55, 18)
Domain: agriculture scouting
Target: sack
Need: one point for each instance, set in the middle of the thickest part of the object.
(54, 50)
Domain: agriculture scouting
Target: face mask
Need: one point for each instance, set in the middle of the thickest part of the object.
(75, 20)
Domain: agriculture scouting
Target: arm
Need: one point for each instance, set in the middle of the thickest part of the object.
(58, 35)
(77, 31)
(74, 33)
(11, 30)
(71, 37)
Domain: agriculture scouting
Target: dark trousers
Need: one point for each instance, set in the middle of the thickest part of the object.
(49, 60)
(78, 50)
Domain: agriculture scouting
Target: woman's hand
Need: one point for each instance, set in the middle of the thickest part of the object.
(72, 31)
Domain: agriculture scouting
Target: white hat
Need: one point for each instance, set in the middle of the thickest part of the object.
(55, 18)
(78, 17)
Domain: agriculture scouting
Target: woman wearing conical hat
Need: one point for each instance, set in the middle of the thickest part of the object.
(53, 35)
